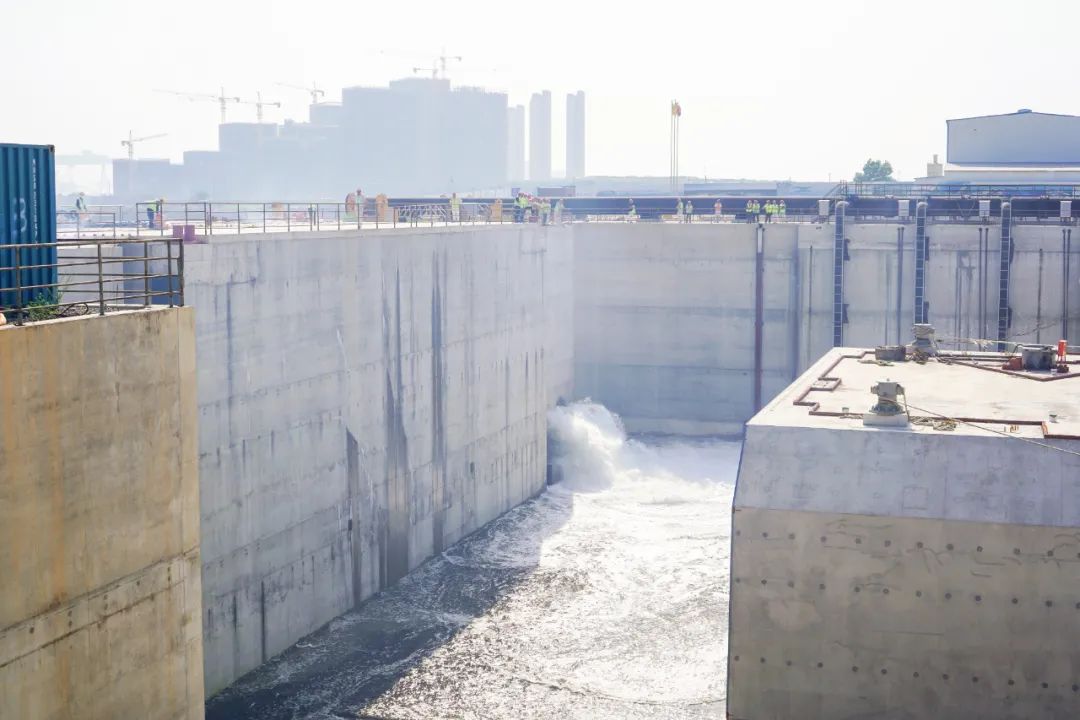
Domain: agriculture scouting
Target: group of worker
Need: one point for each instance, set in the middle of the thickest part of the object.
(527, 207)
(772, 209)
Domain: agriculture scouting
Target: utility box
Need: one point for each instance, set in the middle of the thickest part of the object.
(903, 208)
(1066, 209)
(823, 208)
(984, 208)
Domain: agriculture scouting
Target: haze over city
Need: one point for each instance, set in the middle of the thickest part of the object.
(777, 90)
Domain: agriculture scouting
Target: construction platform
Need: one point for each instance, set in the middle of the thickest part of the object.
(923, 567)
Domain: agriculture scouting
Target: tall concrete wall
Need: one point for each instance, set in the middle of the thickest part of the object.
(665, 314)
(364, 401)
(914, 572)
(99, 518)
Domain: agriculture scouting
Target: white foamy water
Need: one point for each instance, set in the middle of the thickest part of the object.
(606, 597)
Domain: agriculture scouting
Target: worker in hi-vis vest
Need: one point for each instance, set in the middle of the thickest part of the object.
(455, 208)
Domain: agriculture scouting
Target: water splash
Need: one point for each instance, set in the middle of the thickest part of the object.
(605, 597)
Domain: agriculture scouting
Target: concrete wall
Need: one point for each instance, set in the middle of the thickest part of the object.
(364, 401)
(905, 573)
(665, 314)
(99, 523)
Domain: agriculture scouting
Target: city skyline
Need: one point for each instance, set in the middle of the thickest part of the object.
(811, 108)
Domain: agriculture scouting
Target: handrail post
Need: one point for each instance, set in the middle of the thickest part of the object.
(210, 216)
(264, 217)
(146, 274)
(168, 267)
(337, 210)
(237, 218)
(18, 287)
(100, 281)
(288, 217)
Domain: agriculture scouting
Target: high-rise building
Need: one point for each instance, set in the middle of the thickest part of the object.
(515, 148)
(419, 136)
(540, 136)
(575, 135)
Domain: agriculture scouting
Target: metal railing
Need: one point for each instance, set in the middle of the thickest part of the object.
(193, 220)
(964, 190)
(43, 281)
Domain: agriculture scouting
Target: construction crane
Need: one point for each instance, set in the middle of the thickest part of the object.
(315, 91)
(259, 104)
(439, 66)
(223, 100)
(132, 140)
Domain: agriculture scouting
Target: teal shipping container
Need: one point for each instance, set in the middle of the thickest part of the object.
(27, 217)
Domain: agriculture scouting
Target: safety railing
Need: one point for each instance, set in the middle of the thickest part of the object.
(202, 219)
(92, 221)
(43, 281)
(954, 190)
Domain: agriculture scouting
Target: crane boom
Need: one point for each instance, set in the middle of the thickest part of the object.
(131, 141)
(315, 91)
(222, 99)
(259, 104)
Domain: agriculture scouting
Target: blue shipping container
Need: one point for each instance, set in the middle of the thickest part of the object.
(27, 215)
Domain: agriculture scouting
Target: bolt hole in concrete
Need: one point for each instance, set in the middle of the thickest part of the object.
(605, 597)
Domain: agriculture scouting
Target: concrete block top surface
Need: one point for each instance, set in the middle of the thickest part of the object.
(971, 388)
(973, 442)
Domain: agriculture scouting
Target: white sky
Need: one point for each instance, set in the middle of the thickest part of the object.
(769, 90)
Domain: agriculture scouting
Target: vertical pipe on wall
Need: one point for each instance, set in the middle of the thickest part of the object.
(1005, 265)
(838, 274)
(920, 263)
(759, 312)
(899, 278)
(1066, 248)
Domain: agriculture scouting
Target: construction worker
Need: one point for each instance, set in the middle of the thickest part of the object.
(80, 203)
(359, 204)
(782, 210)
(717, 210)
(519, 208)
(151, 212)
(750, 210)
(689, 211)
(770, 208)
(631, 215)
(455, 208)
(559, 207)
(679, 211)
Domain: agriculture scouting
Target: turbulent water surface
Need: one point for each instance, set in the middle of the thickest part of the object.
(605, 597)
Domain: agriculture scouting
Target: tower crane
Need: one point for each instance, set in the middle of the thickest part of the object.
(222, 99)
(315, 91)
(439, 66)
(132, 141)
(259, 104)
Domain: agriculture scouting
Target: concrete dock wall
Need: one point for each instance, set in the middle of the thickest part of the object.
(906, 572)
(666, 314)
(99, 518)
(365, 400)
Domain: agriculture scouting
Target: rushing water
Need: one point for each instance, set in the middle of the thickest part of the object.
(605, 597)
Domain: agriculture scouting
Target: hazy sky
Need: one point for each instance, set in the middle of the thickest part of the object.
(771, 90)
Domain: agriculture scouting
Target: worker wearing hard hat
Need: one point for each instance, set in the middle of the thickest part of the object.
(689, 211)
(455, 208)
